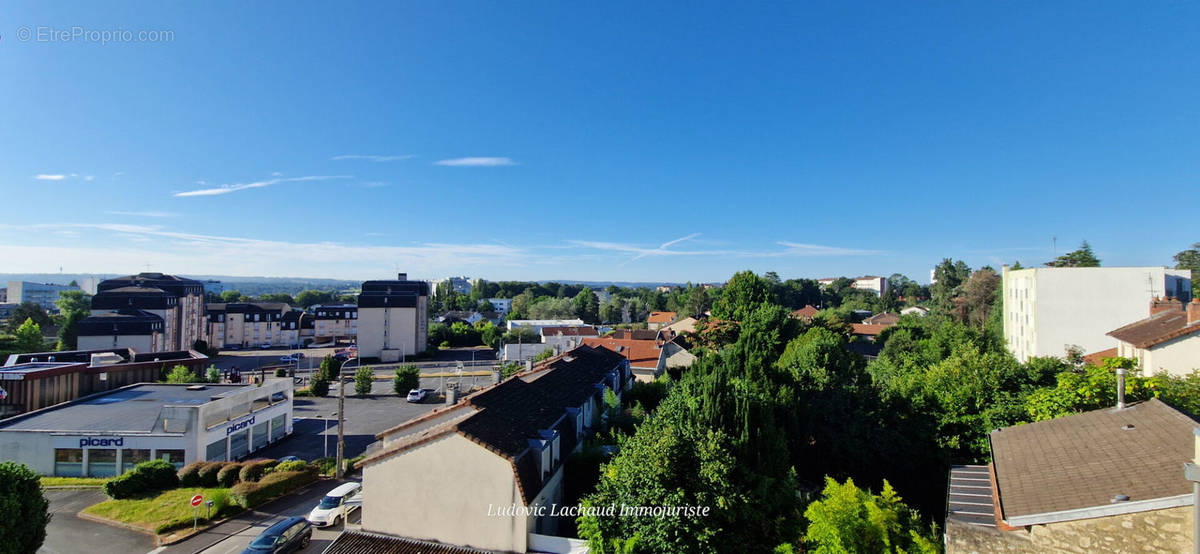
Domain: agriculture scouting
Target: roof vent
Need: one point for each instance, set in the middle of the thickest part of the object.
(196, 387)
(1120, 498)
(1127, 427)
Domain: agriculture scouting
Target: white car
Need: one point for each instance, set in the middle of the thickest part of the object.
(337, 504)
(417, 395)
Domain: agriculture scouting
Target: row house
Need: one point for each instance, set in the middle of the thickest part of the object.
(250, 325)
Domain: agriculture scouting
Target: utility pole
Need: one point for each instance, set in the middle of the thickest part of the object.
(341, 444)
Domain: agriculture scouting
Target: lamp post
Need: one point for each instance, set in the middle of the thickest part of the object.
(325, 435)
(341, 444)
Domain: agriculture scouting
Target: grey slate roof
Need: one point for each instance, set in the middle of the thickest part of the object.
(129, 409)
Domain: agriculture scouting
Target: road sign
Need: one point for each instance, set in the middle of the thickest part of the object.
(196, 500)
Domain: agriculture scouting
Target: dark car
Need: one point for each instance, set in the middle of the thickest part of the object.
(289, 535)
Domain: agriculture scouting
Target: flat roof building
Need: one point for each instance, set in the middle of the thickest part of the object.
(42, 294)
(108, 433)
(393, 319)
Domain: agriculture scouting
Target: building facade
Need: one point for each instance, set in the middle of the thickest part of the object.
(393, 319)
(1167, 341)
(251, 325)
(42, 294)
(1048, 309)
(177, 301)
(135, 329)
(335, 322)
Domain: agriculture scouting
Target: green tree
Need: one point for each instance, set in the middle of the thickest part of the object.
(73, 301)
(610, 311)
(74, 305)
(980, 293)
(489, 334)
(309, 298)
(1083, 257)
(363, 379)
(181, 374)
(28, 310)
(68, 334)
(848, 519)
(587, 306)
(277, 297)
(24, 510)
(407, 378)
(483, 306)
(231, 296)
(949, 277)
(29, 337)
(213, 375)
(744, 293)
(319, 384)
(1190, 259)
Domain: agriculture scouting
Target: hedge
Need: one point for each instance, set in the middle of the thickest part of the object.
(228, 476)
(154, 475)
(189, 475)
(253, 471)
(247, 495)
(208, 474)
(298, 465)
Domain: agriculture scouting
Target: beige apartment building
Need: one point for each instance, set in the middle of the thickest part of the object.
(335, 322)
(393, 319)
(252, 325)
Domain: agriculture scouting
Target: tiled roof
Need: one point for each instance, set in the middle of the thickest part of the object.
(1083, 461)
(1097, 358)
(640, 353)
(807, 312)
(1158, 328)
(570, 331)
(661, 317)
(884, 318)
(634, 334)
(362, 542)
(867, 329)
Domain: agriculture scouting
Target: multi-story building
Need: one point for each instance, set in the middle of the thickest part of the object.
(335, 322)
(127, 328)
(873, 283)
(42, 294)
(393, 318)
(1049, 309)
(251, 325)
(461, 285)
(177, 301)
(501, 305)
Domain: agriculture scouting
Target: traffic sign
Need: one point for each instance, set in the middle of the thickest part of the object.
(196, 500)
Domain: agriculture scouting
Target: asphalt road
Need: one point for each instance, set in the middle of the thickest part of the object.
(68, 534)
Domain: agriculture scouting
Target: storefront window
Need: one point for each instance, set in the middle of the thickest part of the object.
(216, 451)
(239, 444)
(102, 462)
(260, 435)
(173, 456)
(133, 456)
(68, 462)
(278, 427)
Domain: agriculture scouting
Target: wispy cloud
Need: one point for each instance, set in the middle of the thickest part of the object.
(790, 249)
(374, 184)
(49, 176)
(145, 214)
(89, 178)
(226, 189)
(800, 249)
(475, 162)
(375, 157)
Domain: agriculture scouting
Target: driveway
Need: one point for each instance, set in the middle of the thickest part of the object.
(68, 534)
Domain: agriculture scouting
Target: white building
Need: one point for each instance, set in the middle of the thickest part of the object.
(393, 319)
(1048, 309)
(502, 305)
(537, 324)
(42, 294)
(1168, 340)
(873, 283)
(461, 285)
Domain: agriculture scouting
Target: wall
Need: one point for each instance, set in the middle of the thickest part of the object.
(1178, 356)
(141, 343)
(457, 481)
(1168, 530)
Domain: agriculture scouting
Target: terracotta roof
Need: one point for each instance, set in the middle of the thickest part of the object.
(1097, 358)
(867, 329)
(661, 317)
(634, 334)
(1079, 463)
(1158, 328)
(807, 312)
(570, 331)
(640, 353)
(362, 542)
(884, 318)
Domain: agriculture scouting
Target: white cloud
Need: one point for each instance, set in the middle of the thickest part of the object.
(276, 174)
(145, 214)
(49, 176)
(800, 249)
(89, 178)
(475, 162)
(226, 189)
(374, 184)
(374, 157)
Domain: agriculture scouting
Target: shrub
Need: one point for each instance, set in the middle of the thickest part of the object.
(208, 474)
(407, 378)
(155, 475)
(26, 511)
(281, 372)
(298, 465)
(228, 476)
(253, 471)
(280, 482)
(363, 378)
(319, 386)
(189, 475)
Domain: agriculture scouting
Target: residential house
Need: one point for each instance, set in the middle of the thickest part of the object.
(884, 318)
(867, 331)
(647, 358)
(873, 283)
(455, 316)
(501, 305)
(806, 313)
(1106, 480)
(658, 320)
(1168, 340)
(567, 337)
(1048, 309)
(681, 326)
(393, 319)
(484, 467)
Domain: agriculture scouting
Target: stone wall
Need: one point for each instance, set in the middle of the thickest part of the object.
(1168, 530)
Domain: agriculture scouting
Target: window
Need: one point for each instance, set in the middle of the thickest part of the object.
(102, 462)
(239, 444)
(278, 427)
(260, 435)
(68, 462)
(215, 452)
(173, 456)
(131, 457)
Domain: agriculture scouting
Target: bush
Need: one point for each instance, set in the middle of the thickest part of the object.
(298, 465)
(207, 474)
(189, 475)
(24, 508)
(281, 372)
(248, 495)
(407, 378)
(155, 475)
(363, 378)
(228, 476)
(648, 394)
(253, 471)
(319, 385)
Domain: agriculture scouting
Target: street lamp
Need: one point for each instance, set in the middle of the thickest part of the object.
(341, 444)
(325, 435)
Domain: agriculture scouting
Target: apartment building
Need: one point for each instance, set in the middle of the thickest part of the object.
(130, 328)
(251, 325)
(461, 285)
(177, 301)
(501, 305)
(1048, 309)
(873, 283)
(393, 319)
(335, 322)
(42, 294)
(481, 463)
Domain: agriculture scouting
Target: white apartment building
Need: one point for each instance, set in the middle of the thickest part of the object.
(502, 305)
(393, 319)
(42, 294)
(1047, 309)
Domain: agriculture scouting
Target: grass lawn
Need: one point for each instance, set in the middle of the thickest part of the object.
(74, 481)
(165, 511)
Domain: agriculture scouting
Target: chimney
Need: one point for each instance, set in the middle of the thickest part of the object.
(1120, 388)
(1193, 311)
(401, 276)
(1164, 304)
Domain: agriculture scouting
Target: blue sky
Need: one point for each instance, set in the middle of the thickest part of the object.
(623, 141)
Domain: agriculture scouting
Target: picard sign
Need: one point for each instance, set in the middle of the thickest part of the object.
(95, 441)
(239, 426)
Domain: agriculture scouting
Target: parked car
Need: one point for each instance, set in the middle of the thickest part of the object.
(417, 395)
(266, 345)
(291, 358)
(289, 535)
(338, 503)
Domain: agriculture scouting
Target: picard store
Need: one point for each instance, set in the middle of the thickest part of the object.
(109, 433)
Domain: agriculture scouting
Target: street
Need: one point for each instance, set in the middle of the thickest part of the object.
(69, 534)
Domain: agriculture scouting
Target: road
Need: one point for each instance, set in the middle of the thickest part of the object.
(68, 534)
